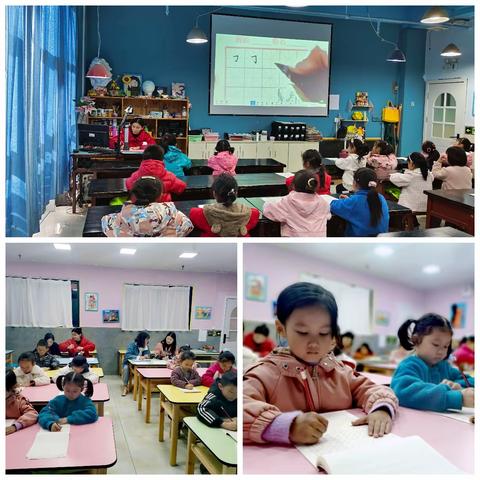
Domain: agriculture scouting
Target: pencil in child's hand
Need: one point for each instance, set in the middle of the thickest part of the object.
(467, 383)
(228, 416)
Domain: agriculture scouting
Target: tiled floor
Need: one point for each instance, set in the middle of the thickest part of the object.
(138, 448)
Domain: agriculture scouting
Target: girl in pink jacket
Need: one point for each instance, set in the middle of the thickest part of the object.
(382, 159)
(302, 212)
(17, 407)
(285, 392)
(225, 363)
(223, 160)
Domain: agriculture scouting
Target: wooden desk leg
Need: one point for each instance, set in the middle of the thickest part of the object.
(119, 369)
(149, 400)
(100, 408)
(130, 377)
(74, 190)
(190, 467)
(161, 419)
(428, 221)
(174, 435)
(139, 393)
(135, 380)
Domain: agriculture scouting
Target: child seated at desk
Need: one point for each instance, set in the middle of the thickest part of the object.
(174, 362)
(452, 169)
(28, 374)
(152, 165)
(466, 145)
(74, 407)
(430, 152)
(175, 160)
(225, 218)
(44, 359)
(223, 160)
(225, 363)
(285, 392)
(366, 211)
(138, 137)
(302, 213)
(147, 217)
(413, 182)
(185, 376)
(312, 160)
(363, 351)
(136, 350)
(465, 354)
(53, 348)
(356, 158)
(78, 365)
(17, 406)
(259, 340)
(382, 158)
(425, 380)
(219, 407)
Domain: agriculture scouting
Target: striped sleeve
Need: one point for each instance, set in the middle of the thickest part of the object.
(207, 411)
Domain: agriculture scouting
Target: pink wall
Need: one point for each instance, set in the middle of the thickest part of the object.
(209, 289)
(283, 268)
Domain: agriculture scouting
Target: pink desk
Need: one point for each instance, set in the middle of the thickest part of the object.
(149, 378)
(91, 447)
(436, 430)
(377, 378)
(378, 367)
(42, 395)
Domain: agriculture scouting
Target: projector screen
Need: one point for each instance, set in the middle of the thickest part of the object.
(269, 67)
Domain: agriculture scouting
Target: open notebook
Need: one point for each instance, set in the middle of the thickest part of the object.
(345, 449)
(50, 444)
(193, 390)
(463, 415)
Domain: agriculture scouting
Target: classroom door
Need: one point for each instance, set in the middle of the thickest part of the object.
(444, 112)
(227, 341)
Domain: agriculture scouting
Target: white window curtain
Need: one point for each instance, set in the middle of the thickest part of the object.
(154, 307)
(33, 302)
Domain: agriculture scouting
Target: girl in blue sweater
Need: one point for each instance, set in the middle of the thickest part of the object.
(72, 407)
(174, 159)
(366, 211)
(425, 380)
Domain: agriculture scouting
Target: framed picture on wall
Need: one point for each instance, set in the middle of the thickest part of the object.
(458, 316)
(255, 287)
(91, 302)
(203, 313)
(111, 316)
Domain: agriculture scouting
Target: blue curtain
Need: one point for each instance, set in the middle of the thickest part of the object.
(41, 132)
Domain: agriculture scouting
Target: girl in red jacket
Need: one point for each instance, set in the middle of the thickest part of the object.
(152, 166)
(258, 341)
(138, 137)
(225, 363)
(312, 160)
(224, 218)
(77, 345)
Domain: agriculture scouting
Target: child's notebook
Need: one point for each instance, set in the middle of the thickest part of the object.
(463, 415)
(345, 449)
(50, 444)
(193, 390)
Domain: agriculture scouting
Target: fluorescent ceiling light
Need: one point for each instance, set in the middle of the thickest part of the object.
(431, 269)
(383, 251)
(188, 255)
(62, 246)
(128, 251)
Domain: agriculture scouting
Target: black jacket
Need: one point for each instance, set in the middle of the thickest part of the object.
(47, 361)
(215, 408)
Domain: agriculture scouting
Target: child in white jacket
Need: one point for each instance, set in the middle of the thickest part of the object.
(382, 158)
(302, 212)
(414, 182)
(28, 374)
(357, 150)
(79, 364)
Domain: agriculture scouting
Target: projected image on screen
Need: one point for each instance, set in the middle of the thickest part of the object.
(275, 72)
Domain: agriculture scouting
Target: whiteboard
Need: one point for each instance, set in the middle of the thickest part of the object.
(355, 304)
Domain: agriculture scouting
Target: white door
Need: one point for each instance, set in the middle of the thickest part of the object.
(444, 112)
(229, 325)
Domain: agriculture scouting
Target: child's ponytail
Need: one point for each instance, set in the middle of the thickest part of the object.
(366, 179)
(88, 392)
(77, 379)
(312, 160)
(404, 334)
(420, 162)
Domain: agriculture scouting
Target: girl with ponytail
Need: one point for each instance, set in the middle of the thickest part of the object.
(357, 152)
(414, 182)
(425, 380)
(302, 213)
(430, 152)
(146, 217)
(225, 218)
(73, 407)
(366, 211)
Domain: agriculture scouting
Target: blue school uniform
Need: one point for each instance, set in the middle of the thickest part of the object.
(77, 412)
(176, 161)
(354, 210)
(417, 385)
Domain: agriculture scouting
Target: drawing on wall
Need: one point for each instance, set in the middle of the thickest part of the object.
(382, 318)
(203, 313)
(458, 316)
(255, 287)
(91, 302)
(111, 316)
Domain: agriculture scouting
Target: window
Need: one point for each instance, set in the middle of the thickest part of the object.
(444, 112)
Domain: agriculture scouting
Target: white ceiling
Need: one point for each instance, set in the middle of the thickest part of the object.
(404, 266)
(211, 258)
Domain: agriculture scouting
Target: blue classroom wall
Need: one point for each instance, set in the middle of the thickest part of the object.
(147, 41)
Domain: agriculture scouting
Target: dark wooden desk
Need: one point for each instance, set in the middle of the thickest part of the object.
(399, 219)
(199, 187)
(429, 232)
(456, 207)
(109, 166)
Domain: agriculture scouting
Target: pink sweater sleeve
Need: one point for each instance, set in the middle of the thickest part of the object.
(28, 413)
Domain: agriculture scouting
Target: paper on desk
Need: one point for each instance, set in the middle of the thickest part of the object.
(50, 444)
(285, 174)
(193, 390)
(232, 434)
(202, 335)
(329, 198)
(463, 415)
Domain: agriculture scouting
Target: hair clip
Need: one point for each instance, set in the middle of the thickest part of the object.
(371, 183)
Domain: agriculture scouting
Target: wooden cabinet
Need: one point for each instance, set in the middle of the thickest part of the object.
(295, 152)
(245, 149)
(196, 150)
(159, 115)
(279, 151)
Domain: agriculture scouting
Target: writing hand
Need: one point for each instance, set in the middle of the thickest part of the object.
(308, 428)
(452, 385)
(70, 347)
(55, 427)
(189, 386)
(229, 425)
(63, 421)
(379, 423)
(10, 429)
(468, 395)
